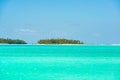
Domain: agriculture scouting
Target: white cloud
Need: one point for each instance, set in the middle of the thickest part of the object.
(27, 30)
(59, 34)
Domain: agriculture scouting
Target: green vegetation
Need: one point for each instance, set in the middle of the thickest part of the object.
(43, 41)
(11, 41)
(59, 41)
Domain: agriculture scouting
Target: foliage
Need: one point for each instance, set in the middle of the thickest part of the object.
(59, 41)
(11, 41)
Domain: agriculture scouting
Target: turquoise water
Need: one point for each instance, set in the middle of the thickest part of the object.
(59, 62)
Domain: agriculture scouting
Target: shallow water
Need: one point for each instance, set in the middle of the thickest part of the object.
(59, 62)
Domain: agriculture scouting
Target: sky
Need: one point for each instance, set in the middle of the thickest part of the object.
(90, 21)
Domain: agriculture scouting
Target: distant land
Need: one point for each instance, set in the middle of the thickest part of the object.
(41, 41)
(59, 41)
(11, 41)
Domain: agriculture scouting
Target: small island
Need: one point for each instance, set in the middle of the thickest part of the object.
(59, 41)
(11, 41)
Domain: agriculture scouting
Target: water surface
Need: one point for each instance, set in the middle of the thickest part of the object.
(59, 62)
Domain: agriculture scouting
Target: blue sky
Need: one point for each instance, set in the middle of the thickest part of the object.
(91, 21)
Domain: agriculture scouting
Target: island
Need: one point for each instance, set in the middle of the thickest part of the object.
(11, 41)
(59, 41)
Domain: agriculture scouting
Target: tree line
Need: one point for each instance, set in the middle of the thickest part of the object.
(11, 41)
(59, 41)
(42, 41)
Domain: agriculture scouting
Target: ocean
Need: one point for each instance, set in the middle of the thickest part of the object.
(59, 62)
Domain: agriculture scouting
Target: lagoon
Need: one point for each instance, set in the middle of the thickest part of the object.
(59, 62)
